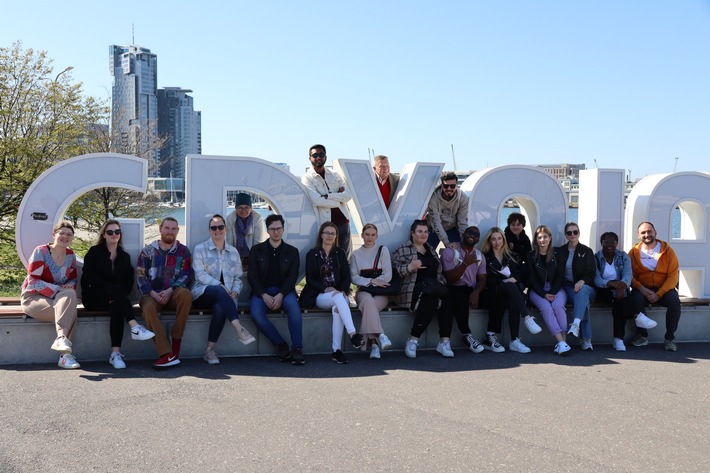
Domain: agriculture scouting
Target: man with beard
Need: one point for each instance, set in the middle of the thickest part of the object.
(465, 273)
(447, 213)
(654, 266)
(164, 271)
(330, 194)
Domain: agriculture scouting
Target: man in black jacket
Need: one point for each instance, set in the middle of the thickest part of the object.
(273, 271)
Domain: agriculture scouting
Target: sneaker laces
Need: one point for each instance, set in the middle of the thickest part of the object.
(493, 341)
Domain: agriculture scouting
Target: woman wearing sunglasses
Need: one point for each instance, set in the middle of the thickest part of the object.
(106, 284)
(218, 282)
(580, 271)
(328, 285)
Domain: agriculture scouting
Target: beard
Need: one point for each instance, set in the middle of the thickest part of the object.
(167, 239)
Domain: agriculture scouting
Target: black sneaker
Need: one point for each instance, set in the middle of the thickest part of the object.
(283, 352)
(357, 341)
(297, 357)
(339, 357)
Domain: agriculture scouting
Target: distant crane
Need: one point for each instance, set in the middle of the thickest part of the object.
(453, 156)
(596, 165)
(676, 163)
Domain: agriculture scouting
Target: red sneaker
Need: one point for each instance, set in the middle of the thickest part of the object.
(176, 346)
(169, 359)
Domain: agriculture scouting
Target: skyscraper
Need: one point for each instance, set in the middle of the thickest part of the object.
(134, 111)
(181, 127)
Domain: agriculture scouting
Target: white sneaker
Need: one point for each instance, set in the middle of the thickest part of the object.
(642, 321)
(385, 342)
(116, 360)
(519, 346)
(586, 344)
(573, 330)
(618, 344)
(444, 347)
(374, 352)
(139, 332)
(68, 361)
(562, 348)
(62, 345)
(410, 348)
(211, 357)
(531, 325)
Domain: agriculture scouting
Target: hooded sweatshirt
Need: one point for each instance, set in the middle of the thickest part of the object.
(664, 278)
(444, 215)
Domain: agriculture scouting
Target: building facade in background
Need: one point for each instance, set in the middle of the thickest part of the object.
(134, 105)
(181, 128)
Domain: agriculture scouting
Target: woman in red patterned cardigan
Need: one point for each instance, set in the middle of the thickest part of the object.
(49, 290)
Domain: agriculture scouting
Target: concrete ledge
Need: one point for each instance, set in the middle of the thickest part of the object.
(25, 340)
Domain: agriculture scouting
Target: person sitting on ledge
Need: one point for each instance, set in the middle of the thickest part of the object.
(245, 228)
(49, 290)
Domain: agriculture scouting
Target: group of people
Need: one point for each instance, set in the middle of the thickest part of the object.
(508, 271)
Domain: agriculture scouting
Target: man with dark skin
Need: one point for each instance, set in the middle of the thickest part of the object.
(465, 273)
(330, 194)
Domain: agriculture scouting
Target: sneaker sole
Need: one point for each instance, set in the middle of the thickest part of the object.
(165, 365)
(118, 367)
(340, 362)
(476, 350)
(298, 362)
(211, 362)
(247, 341)
(519, 351)
(640, 344)
(66, 349)
(141, 338)
(445, 355)
(66, 367)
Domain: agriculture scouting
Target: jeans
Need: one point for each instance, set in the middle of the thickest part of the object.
(671, 301)
(223, 307)
(344, 239)
(504, 296)
(581, 301)
(453, 235)
(425, 312)
(553, 313)
(621, 310)
(293, 312)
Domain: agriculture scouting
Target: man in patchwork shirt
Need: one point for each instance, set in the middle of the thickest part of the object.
(164, 272)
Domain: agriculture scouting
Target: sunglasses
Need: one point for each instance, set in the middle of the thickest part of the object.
(214, 228)
(318, 155)
(449, 186)
(572, 232)
(113, 232)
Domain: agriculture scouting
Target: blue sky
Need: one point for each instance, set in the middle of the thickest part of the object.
(506, 82)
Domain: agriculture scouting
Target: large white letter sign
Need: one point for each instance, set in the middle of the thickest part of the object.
(541, 197)
(208, 178)
(601, 204)
(653, 199)
(47, 199)
(416, 184)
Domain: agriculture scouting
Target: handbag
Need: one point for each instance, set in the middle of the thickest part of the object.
(391, 290)
(373, 272)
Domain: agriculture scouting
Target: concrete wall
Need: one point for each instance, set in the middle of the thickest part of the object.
(25, 340)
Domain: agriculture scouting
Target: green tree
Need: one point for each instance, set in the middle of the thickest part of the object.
(44, 118)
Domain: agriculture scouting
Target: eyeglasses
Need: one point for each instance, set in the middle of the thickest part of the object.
(572, 232)
(275, 229)
(113, 232)
(214, 228)
(449, 186)
(318, 155)
(330, 234)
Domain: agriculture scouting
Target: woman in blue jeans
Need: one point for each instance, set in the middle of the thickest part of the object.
(218, 281)
(580, 271)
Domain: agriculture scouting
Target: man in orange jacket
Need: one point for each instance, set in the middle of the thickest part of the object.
(654, 265)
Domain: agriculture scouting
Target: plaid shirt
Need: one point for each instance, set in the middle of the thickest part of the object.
(400, 260)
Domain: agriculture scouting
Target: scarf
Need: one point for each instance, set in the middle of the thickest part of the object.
(241, 229)
(326, 270)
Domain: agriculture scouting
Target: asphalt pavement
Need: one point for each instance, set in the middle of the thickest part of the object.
(645, 410)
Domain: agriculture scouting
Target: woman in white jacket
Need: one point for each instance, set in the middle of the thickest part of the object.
(218, 281)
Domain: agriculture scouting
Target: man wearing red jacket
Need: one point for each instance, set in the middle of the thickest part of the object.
(654, 265)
